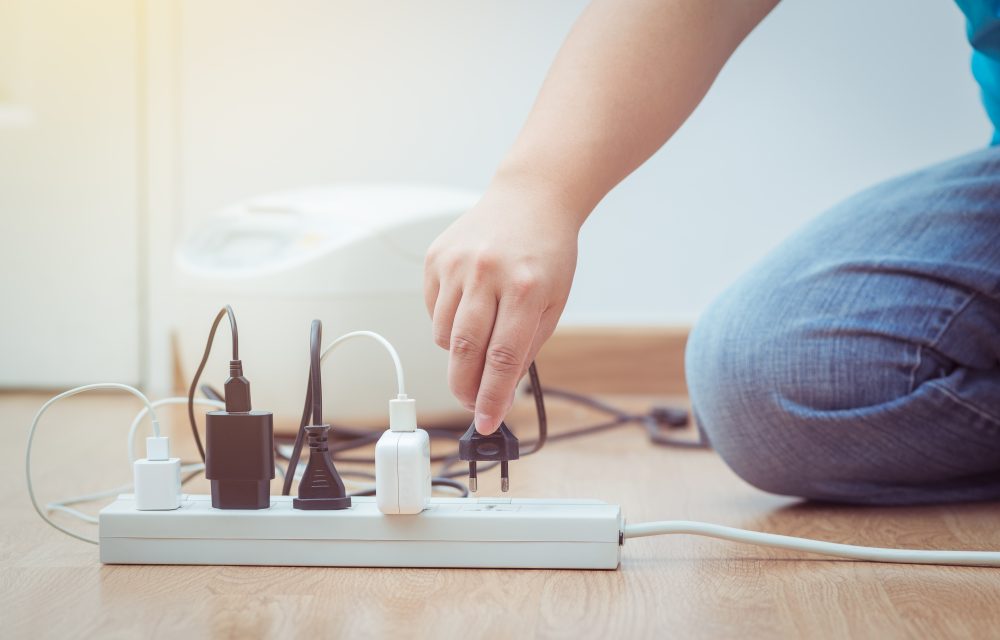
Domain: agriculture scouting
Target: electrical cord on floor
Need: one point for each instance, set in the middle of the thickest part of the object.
(344, 439)
(31, 437)
(731, 534)
(652, 421)
(189, 470)
(821, 547)
(225, 311)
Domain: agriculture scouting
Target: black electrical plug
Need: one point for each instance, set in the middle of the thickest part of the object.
(321, 486)
(672, 417)
(499, 446)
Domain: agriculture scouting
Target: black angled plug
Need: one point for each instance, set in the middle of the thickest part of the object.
(499, 446)
(321, 487)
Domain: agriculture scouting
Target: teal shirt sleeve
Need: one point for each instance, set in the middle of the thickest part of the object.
(983, 29)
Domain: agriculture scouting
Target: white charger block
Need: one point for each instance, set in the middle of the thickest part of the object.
(403, 472)
(157, 484)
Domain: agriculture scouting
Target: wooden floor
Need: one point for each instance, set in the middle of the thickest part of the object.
(54, 586)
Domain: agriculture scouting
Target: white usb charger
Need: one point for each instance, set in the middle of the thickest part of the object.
(157, 477)
(403, 462)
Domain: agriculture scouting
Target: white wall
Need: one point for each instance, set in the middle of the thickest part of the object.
(109, 140)
(827, 96)
(69, 220)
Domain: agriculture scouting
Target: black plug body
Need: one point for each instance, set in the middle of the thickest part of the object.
(499, 446)
(239, 449)
(321, 487)
(239, 458)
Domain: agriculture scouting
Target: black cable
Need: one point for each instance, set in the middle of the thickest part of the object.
(579, 398)
(436, 481)
(211, 393)
(651, 421)
(313, 404)
(225, 311)
(293, 460)
(315, 371)
(347, 439)
(543, 422)
(191, 476)
(656, 436)
(234, 332)
(356, 473)
(444, 473)
(454, 484)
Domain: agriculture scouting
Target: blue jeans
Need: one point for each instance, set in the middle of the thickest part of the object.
(860, 361)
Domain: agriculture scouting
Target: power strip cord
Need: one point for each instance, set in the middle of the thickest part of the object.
(821, 547)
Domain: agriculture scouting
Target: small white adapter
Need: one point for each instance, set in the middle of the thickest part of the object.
(157, 477)
(403, 462)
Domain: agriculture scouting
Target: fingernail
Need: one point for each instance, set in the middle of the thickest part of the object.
(485, 424)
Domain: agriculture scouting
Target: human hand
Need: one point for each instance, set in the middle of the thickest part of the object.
(495, 283)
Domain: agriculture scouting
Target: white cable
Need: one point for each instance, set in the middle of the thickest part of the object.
(401, 388)
(63, 505)
(34, 426)
(159, 403)
(76, 513)
(850, 551)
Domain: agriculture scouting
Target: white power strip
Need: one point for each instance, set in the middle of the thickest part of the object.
(452, 532)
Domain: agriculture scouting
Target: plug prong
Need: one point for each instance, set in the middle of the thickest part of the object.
(504, 478)
(473, 481)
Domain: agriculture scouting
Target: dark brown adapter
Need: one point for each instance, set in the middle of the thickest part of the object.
(239, 448)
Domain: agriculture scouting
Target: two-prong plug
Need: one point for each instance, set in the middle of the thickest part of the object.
(499, 446)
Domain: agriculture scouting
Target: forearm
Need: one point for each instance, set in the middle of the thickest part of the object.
(628, 75)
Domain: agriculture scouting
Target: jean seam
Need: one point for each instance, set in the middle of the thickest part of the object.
(982, 413)
(937, 339)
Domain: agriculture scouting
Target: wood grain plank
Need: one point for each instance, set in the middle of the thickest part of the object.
(53, 586)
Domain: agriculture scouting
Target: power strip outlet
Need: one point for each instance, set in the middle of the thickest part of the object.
(451, 532)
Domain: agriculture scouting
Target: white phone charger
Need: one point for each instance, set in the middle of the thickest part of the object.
(403, 462)
(157, 477)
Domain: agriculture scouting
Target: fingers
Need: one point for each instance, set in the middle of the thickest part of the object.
(443, 315)
(432, 285)
(468, 342)
(506, 357)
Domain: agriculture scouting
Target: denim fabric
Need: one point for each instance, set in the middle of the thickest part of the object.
(860, 361)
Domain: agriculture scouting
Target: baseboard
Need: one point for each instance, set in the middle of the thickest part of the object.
(616, 360)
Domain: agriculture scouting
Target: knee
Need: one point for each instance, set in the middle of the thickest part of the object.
(733, 401)
(756, 384)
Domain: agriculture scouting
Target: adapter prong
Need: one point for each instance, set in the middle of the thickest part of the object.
(504, 477)
(473, 481)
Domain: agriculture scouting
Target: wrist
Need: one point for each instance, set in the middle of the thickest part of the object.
(561, 199)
